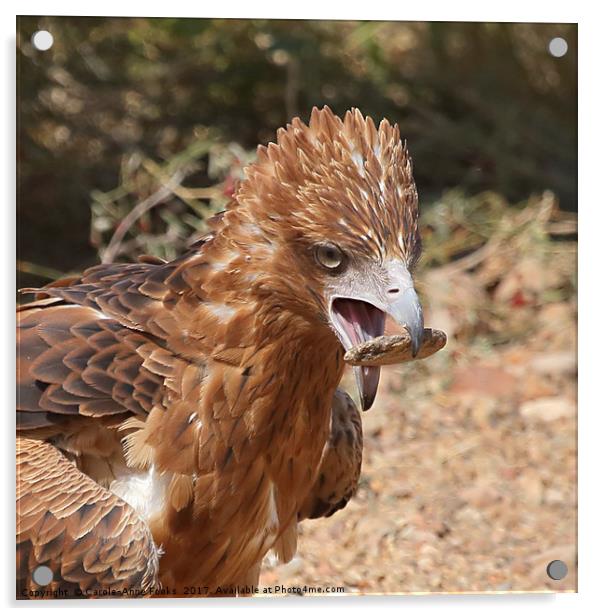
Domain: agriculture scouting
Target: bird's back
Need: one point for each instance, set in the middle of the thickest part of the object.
(94, 367)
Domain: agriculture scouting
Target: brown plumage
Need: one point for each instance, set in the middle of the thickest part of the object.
(341, 461)
(197, 399)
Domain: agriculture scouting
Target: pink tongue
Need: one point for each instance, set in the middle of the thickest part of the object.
(360, 320)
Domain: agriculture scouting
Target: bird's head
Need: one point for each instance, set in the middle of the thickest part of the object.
(326, 224)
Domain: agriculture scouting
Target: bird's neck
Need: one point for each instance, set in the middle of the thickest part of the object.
(305, 369)
(258, 315)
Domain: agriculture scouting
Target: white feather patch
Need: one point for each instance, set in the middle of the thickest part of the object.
(358, 159)
(145, 491)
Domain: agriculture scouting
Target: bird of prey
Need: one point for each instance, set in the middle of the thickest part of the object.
(176, 420)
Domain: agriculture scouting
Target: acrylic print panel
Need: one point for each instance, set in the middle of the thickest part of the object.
(191, 422)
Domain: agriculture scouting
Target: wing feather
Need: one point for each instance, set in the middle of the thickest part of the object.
(87, 536)
(341, 462)
(73, 361)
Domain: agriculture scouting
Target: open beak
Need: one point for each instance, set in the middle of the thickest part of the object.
(358, 320)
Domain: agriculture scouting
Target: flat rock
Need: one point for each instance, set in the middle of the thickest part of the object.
(560, 362)
(549, 408)
(397, 349)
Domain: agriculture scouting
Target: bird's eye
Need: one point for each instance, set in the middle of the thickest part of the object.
(329, 256)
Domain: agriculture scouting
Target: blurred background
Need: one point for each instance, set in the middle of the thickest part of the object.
(131, 132)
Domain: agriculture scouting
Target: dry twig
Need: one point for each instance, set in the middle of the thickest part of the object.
(159, 196)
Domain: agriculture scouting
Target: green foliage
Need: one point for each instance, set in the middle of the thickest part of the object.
(483, 107)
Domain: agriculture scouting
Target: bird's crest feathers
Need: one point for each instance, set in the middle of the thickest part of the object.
(344, 180)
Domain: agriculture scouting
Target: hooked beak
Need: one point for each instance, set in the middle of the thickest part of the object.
(407, 312)
(358, 320)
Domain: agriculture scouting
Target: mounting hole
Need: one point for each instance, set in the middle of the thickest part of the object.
(42, 575)
(42, 40)
(558, 47)
(557, 569)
